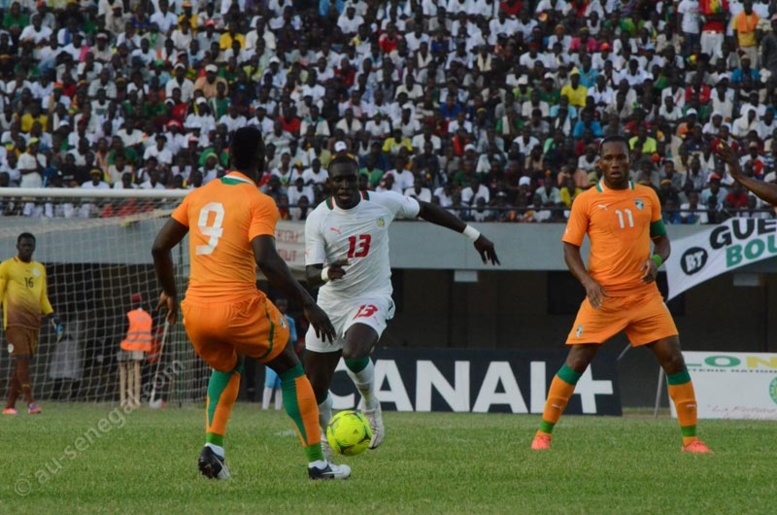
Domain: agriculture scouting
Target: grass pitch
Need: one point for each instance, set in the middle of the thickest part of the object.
(88, 459)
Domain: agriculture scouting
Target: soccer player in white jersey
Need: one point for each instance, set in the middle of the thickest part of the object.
(347, 254)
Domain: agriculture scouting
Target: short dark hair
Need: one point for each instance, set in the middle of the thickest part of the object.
(248, 148)
(617, 138)
(343, 160)
(25, 236)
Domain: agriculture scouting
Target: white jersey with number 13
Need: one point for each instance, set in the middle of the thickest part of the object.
(360, 235)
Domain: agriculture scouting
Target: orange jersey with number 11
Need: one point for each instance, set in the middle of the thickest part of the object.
(223, 217)
(618, 224)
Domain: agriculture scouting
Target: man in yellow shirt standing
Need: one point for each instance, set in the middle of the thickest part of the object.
(745, 24)
(24, 298)
(574, 91)
(232, 34)
(32, 116)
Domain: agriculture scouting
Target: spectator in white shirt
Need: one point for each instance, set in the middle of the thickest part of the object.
(160, 151)
(125, 183)
(419, 191)
(233, 119)
(153, 182)
(180, 81)
(36, 31)
(349, 21)
(96, 181)
(31, 165)
(474, 191)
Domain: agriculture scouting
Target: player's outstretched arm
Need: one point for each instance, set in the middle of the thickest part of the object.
(278, 274)
(438, 216)
(765, 191)
(168, 237)
(574, 261)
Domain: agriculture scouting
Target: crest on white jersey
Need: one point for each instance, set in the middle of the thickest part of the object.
(381, 222)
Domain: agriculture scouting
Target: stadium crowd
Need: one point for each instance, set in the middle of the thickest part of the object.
(490, 109)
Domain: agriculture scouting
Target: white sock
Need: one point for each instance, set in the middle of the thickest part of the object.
(318, 464)
(325, 412)
(219, 450)
(266, 396)
(278, 399)
(365, 383)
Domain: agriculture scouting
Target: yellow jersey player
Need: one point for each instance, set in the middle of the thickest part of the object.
(24, 298)
(621, 220)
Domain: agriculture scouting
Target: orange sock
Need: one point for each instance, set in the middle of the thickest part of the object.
(300, 404)
(684, 398)
(561, 389)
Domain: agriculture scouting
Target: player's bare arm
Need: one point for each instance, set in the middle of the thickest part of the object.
(278, 274)
(438, 216)
(765, 191)
(317, 276)
(574, 261)
(168, 237)
(661, 248)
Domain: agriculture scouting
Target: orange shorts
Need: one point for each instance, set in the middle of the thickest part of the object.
(220, 331)
(645, 318)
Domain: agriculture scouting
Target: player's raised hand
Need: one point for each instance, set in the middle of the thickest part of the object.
(485, 248)
(728, 156)
(171, 305)
(595, 293)
(649, 271)
(320, 322)
(336, 270)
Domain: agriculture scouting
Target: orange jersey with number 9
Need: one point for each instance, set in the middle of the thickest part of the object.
(618, 224)
(223, 217)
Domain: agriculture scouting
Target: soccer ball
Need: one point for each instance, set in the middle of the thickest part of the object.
(349, 433)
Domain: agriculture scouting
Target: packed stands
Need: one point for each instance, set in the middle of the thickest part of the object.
(493, 110)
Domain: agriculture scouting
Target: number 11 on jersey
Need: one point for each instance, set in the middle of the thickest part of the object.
(629, 217)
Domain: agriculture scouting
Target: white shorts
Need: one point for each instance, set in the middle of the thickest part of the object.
(372, 311)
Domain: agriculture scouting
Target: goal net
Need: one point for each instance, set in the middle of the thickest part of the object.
(96, 247)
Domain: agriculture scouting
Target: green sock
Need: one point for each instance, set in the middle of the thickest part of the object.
(358, 364)
(218, 383)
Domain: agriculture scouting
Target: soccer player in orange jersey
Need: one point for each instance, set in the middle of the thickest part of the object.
(232, 231)
(24, 298)
(621, 219)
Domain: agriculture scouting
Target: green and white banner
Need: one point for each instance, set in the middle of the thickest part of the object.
(725, 247)
(733, 385)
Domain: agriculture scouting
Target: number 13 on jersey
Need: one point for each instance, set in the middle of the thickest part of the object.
(359, 246)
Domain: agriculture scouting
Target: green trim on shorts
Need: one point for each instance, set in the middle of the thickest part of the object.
(270, 338)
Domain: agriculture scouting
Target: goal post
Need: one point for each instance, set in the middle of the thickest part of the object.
(96, 247)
